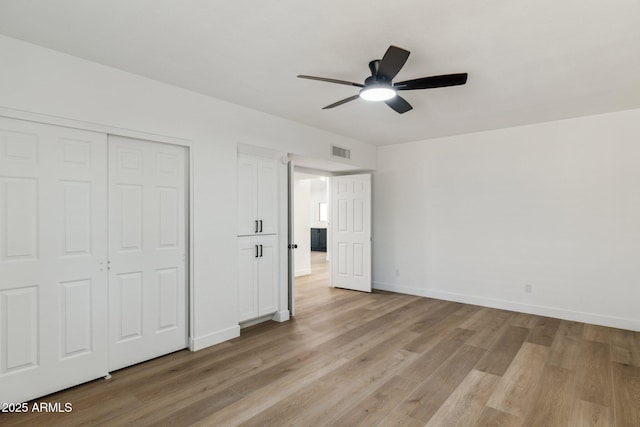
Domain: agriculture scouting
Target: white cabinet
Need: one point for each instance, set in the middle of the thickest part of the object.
(257, 238)
(257, 191)
(257, 276)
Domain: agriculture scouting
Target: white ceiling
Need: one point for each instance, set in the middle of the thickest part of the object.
(528, 60)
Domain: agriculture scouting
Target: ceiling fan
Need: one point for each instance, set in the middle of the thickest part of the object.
(379, 86)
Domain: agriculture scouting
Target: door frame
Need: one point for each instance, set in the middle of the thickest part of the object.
(165, 139)
(290, 221)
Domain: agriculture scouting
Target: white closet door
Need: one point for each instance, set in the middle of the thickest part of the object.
(147, 250)
(351, 232)
(53, 277)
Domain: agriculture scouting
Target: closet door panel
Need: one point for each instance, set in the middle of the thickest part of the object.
(147, 222)
(53, 272)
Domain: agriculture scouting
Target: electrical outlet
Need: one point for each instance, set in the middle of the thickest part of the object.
(528, 288)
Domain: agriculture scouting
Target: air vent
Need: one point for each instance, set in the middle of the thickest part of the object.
(340, 152)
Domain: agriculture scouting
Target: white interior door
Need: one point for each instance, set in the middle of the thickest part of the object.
(147, 250)
(53, 274)
(350, 225)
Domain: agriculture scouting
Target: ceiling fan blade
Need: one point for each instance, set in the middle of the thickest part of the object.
(392, 62)
(324, 79)
(432, 82)
(344, 101)
(399, 104)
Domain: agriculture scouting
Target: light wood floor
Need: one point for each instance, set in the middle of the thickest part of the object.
(382, 359)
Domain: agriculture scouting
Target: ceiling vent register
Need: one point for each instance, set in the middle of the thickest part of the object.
(340, 152)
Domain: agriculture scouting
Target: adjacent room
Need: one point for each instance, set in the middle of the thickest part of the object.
(319, 213)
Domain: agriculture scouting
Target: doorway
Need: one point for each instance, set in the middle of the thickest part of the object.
(310, 228)
(342, 222)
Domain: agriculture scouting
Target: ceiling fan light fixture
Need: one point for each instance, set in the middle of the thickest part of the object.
(377, 93)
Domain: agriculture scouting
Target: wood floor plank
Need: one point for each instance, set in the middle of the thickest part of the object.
(626, 379)
(520, 381)
(320, 399)
(551, 407)
(466, 403)
(441, 310)
(364, 383)
(499, 357)
(211, 390)
(594, 373)
(490, 328)
(597, 333)
(565, 349)
(398, 419)
(425, 401)
(479, 319)
(467, 310)
(625, 347)
(429, 361)
(431, 335)
(491, 417)
(261, 399)
(544, 331)
(525, 320)
(588, 414)
(375, 407)
(571, 329)
(190, 414)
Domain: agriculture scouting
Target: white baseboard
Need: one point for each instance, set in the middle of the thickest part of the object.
(278, 316)
(303, 272)
(256, 321)
(214, 338)
(540, 310)
(281, 316)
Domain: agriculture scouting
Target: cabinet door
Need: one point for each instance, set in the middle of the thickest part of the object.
(248, 252)
(267, 195)
(247, 195)
(268, 276)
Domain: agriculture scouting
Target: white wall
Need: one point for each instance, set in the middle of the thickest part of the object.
(43, 81)
(475, 217)
(318, 195)
(302, 234)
